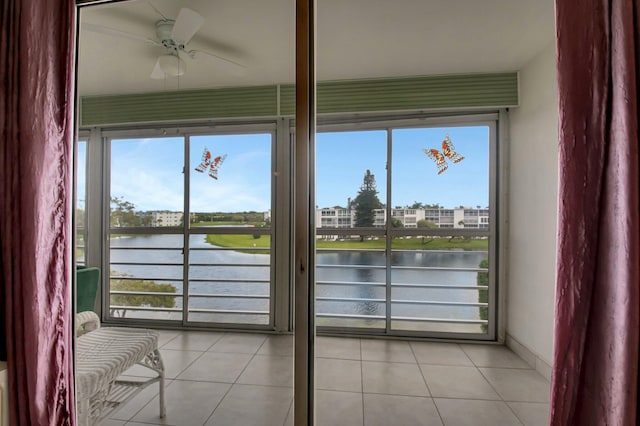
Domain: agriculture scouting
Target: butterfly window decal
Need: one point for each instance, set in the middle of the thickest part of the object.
(212, 164)
(440, 157)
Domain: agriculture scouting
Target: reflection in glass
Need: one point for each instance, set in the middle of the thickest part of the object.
(81, 206)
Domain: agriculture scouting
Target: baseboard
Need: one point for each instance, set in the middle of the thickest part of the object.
(530, 357)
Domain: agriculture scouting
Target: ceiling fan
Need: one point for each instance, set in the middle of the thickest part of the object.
(173, 36)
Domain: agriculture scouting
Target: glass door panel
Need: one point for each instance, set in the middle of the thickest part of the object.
(350, 234)
(440, 245)
(81, 205)
(230, 262)
(145, 228)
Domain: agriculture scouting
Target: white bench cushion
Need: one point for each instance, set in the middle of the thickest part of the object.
(104, 354)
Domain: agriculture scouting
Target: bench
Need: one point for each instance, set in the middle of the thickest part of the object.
(102, 355)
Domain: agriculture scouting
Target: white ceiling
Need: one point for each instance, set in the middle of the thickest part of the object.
(356, 39)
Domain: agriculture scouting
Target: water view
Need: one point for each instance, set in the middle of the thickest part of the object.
(227, 285)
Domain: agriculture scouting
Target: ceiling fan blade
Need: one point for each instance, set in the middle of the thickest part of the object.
(117, 33)
(219, 62)
(157, 73)
(187, 24)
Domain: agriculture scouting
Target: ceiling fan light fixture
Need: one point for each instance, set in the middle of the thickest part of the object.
(172, 65)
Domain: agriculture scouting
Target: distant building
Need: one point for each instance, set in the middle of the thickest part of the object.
(335, 217)
(457, 218)
(166, 218)
(409, 217)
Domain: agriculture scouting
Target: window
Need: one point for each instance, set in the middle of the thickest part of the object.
(230, 242)
(145, 242)
(423, 266)
(191, 247)
(81, 205)
(198, 248)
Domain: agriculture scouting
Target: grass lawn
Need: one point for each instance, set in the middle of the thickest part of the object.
(227, 223)
(239, 241)
(247, 241)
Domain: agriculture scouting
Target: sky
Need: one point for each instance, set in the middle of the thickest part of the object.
(148, 172)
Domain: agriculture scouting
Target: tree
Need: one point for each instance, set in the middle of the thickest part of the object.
(396, 223)
(366, 201)
(141, 286)
(145, 219)
(80, 216)
(416, 205)
(482, 279)
(424, 223)
(123, 213)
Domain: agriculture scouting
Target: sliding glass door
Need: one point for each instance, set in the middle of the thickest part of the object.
(146, 213)
(351, 238)
(191, 247)
(230, 245)
(405, 228)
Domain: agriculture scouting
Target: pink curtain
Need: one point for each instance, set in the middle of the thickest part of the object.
(595, 371)
(36, 107)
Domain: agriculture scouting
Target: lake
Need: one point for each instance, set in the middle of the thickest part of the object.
(438, 277)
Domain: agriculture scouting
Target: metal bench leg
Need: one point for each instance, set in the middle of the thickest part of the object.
(163, 408)
(154, 361)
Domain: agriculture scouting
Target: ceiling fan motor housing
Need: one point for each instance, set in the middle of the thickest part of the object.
(164, 28)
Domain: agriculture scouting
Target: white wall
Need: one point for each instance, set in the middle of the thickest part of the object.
(533, 190)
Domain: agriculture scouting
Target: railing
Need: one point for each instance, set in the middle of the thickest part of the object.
(411, 290)
(218, 287)
(399, 296)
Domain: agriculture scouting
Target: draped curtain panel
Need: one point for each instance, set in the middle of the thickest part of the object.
(36, 107)
(595, 365)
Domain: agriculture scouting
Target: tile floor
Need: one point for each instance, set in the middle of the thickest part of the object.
(246, 379)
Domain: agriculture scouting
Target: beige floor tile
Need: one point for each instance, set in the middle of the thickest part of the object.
(386, 350)
(393, 378)
(164, 336)
(188, 403)
(130, 408)
(531, 413)
(140, 371)
(385, 410)
(111, 422)
(494, 356)
(253, 405)
(466, 412)
(175, 362)
(440, 354)
(269, 371)
(277, 345)
(338, 408)
(289, 421)
(216, 367)
(338, 374)
(338, 347)
(239, 343)
(193, 341)
(457, 382)
(518, 385)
